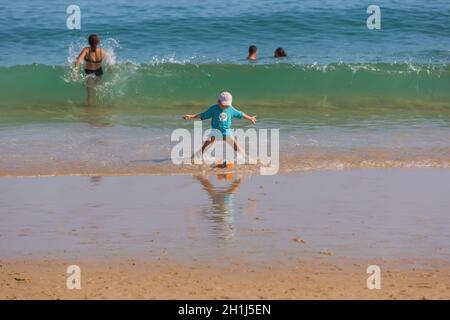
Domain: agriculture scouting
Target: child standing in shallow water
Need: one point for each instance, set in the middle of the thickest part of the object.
(221, 115)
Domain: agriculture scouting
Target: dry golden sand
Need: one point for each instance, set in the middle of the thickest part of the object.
(133, 279)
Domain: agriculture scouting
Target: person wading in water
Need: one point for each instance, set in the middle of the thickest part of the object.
(93, 57)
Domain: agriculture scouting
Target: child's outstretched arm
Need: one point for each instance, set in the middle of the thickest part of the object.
(191, 116)
(252, 119)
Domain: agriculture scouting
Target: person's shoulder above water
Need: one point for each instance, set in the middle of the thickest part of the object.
(252, 53)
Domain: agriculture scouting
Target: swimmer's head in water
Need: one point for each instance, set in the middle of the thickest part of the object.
(252, 52)
(252, 49)
(279, 52)
(93, 40)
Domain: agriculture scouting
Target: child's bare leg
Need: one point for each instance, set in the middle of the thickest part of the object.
(205, 145)
(232, 141)
(240, 151)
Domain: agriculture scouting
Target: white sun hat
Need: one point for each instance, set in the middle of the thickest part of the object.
(225, 98)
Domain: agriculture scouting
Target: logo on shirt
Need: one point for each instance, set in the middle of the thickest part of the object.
(223, 117)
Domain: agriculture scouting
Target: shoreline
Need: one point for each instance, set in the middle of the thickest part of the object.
(250, 170)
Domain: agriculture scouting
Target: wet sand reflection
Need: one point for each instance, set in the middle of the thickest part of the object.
(221, 211)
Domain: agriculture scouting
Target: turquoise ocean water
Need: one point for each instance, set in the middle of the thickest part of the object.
(345, 96)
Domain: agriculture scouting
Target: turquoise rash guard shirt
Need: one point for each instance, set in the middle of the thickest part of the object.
(221, 119)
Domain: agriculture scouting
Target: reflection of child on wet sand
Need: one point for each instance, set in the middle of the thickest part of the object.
(222, 206)
(221, 115)
(208, 186)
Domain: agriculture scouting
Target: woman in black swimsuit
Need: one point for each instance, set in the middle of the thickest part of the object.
(93, 57)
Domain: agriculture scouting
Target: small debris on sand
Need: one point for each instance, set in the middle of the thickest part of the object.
(298, 240)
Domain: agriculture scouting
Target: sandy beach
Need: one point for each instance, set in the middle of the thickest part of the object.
(134, 279)
(342, 108)
(306, 235)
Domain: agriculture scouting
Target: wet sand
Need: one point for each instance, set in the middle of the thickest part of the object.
(14, 164)
(303, 235)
